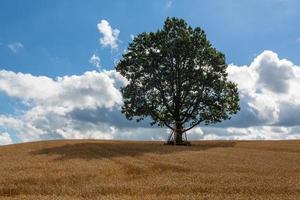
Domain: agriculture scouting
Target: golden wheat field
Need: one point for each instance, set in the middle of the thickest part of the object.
(93, 169)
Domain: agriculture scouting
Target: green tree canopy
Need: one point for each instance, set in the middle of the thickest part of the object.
(177, 79)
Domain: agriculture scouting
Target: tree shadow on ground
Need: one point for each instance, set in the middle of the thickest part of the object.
(99, 150)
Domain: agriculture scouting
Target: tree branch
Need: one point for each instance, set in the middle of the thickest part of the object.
(197, 123)
(170, 127)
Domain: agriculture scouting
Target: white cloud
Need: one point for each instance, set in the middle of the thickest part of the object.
(25, 129)
(88, 105)
(15, 47)
(27, 86)
(91, 89)
(51, 101)
(109, 35)
(5, 139)
(273, 72)
(269, 88)
(95, 61)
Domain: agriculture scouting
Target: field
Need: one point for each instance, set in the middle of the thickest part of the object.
(93, 169)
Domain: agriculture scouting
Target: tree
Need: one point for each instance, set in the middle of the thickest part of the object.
(176, 78)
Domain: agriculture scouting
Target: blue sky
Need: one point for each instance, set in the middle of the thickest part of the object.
(60, 35)
(57, 38)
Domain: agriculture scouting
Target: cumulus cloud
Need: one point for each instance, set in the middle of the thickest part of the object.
(51, 101)
(5, 139)
(88, 105)
(95, 61)
(91, 89)
(27, 86)
(251, 133)
(15, 47)
(269, 88)
(273, 72)
(109, 35)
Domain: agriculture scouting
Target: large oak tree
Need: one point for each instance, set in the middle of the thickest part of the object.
(177, 79)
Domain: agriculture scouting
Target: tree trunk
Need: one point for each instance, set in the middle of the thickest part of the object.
(178, 134)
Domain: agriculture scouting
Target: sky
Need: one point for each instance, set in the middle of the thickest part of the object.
(57, 58)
